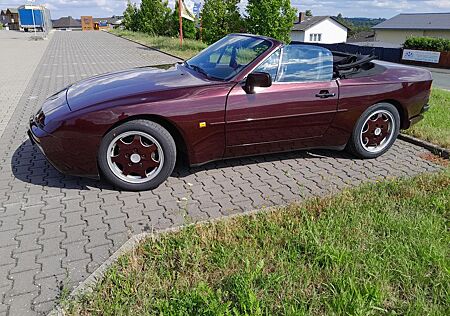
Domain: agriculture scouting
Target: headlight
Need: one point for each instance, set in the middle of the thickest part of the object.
(50, 108)
(39, 118)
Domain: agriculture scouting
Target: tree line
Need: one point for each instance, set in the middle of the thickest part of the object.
(273, 18)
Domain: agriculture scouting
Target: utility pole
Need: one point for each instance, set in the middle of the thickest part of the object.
(181, 22)
(32, 15)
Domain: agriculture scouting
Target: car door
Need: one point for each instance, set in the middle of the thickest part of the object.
(294, 112)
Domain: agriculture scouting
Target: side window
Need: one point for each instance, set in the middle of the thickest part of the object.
(270, 65)
(303, 63)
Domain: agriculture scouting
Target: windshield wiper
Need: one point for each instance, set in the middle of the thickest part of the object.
(202, 71)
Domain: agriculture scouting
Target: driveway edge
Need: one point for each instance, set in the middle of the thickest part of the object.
(149, 47)
(441, 152)
(87, 285)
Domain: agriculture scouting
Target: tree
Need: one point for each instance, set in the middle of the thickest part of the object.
(273, 18)
(351, 28)
(189, 30)
(308, 13)
(219, 18)
(131, 17)
(154, 16)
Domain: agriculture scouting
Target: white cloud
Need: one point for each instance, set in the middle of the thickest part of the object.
(444, 4)
(369, 8)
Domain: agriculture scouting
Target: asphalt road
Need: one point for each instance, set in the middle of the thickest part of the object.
(441, 78)
(55, 230)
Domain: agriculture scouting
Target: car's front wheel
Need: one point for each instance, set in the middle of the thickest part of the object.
(138, 155)
(375, 131)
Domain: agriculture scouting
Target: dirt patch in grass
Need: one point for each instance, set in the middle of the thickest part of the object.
(435, 159)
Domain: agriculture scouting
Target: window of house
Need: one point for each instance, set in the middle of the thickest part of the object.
(317, 37)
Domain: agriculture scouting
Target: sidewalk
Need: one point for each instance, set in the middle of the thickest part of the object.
(19, 57)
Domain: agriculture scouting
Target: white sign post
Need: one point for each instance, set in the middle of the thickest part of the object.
(421, 55)
(32, 15)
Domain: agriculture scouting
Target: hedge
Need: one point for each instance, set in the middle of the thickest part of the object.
(428, 43)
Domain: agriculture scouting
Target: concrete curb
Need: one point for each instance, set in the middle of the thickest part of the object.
(149, 47)
(87, 285)
(441, 152)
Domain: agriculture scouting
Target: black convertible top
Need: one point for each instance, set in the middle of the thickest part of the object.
(347, 65)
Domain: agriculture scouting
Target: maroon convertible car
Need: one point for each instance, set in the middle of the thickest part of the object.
(243, 95)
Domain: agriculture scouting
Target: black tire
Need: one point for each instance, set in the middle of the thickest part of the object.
(355, 144)
(165, 142)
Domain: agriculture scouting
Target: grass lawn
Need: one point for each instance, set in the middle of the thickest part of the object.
(435, 127)
(166, 44)
(381, 249)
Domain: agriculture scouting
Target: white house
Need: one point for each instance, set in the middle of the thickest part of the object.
(318, 29)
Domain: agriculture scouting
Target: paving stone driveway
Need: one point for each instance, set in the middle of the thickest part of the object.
(55, 230)
(19, 56)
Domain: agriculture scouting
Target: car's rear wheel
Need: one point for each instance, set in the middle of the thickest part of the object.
(137, 155)
(375, 131)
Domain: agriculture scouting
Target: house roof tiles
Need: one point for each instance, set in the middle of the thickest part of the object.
(417, 21)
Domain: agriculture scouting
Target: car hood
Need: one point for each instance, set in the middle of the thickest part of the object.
(123, 87)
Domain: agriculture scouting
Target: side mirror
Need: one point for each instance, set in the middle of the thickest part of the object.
(257, 79)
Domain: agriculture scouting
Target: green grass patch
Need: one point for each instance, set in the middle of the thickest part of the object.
(381, 249)
(435, 127)
(169, 45)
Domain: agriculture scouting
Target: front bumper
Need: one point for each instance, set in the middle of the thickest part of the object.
(37, 137)
(64, 154)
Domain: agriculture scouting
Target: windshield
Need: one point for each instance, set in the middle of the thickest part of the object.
(227, 57)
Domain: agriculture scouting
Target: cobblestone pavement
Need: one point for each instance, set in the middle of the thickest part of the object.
(55, 230)
(19, 57)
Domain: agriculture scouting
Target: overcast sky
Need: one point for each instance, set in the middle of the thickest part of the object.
(349, 8)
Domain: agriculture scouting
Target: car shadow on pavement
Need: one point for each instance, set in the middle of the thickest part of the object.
(29, 165)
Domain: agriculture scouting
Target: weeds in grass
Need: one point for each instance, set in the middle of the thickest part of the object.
(378, 249)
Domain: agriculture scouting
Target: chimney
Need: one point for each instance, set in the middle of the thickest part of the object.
(301, 17)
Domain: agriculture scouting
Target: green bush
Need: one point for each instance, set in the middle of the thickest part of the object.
(428, 43)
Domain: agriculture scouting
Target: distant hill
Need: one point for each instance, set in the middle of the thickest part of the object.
(365, 22)
(358, 25)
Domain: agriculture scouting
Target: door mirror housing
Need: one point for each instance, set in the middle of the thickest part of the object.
(257, 79)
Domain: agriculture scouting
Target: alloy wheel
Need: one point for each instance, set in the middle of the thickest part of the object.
(135, 157)
(378, 131)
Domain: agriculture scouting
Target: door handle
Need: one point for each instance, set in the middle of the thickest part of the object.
(325, 94)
